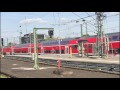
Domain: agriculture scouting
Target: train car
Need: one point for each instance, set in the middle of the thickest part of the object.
(26, 49)
(63, 46)
(114, 43)
(56, 46)
(8, 50)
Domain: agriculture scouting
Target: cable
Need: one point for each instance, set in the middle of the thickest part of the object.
(82, 18)
(77, 25)
(54, 17)
(91, 16)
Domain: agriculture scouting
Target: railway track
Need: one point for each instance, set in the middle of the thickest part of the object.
(98, 67)
(7, 75)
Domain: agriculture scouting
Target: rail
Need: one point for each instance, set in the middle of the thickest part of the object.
(7, 75)
(102, 67)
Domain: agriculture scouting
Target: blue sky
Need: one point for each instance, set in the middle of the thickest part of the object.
(62, 22)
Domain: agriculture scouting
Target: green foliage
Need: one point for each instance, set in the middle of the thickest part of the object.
(48, 39)
(2, 76)
(85, 35)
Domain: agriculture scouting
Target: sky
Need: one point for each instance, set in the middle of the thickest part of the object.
(64, 23)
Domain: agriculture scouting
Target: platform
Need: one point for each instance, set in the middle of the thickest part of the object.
(21, 69)
(110, 60)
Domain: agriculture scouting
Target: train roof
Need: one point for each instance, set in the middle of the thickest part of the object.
(26, 45)
(67, 39)
(109, 34)
(115, 33)
(63, 41)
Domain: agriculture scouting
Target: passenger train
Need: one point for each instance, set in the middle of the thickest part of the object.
(63, 46)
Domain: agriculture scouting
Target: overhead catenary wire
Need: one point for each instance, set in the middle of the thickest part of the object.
(75, 26)
(83, 19)
(91, 16)
(54, 17)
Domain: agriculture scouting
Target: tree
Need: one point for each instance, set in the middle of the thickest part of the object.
(10, 44)
(85, 35)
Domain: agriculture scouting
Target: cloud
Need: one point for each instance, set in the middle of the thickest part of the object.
(63, 19)
(33, 20)
(113, 13)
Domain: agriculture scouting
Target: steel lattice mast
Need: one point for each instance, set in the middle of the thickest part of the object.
(99, 19)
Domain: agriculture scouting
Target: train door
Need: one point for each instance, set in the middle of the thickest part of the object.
(29, 50)
(66, 50)
(12, 50)
(42, 50)
(94, 51)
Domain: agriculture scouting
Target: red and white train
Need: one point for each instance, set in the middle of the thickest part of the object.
(63, 46)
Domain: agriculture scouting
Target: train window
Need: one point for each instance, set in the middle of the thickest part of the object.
(115, 38)
(89, 46)
(118, 50)
(44, 51)
(74, 46)
(62, 52)
(57, 51)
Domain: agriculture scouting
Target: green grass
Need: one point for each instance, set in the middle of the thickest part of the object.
(3, 76)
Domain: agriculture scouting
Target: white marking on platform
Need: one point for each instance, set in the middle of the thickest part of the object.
(14, 64)
(25, 68)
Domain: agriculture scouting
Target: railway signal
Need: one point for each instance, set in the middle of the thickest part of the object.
(50, 33)
(2, 41)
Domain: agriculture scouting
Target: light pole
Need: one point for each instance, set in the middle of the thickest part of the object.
(20, 34)
(30, 43)
(59, 39)
(59, 45)
(59, 42)
(86, 25)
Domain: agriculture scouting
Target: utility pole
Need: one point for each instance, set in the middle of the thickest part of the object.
(86, 25)
(25, 24)
(99, 18)
(81, 30)
(14, 40)
(20, 35)
(7, 41)
(59, 39)
(36, 66)
(86, 28)
(81, 42)
(30, 42)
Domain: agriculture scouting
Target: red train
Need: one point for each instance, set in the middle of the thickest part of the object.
(63, 46)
